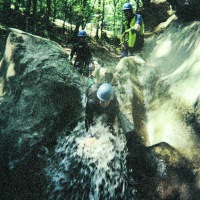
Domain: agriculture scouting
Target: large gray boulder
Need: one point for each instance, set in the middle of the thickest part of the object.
(40, 97)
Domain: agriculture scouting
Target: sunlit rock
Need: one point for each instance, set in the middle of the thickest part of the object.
(172, 88)
(162, 26)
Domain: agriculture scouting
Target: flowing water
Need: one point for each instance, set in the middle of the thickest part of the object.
(171, 82)
(172, 87)
(81, 170)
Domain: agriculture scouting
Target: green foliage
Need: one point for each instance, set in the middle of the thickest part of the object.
(39, 15)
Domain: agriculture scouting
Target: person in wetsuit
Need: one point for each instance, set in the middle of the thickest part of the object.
(101, 101)
(84, 61)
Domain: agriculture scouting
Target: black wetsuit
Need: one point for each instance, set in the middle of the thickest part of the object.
(94, 110)
(83, 57)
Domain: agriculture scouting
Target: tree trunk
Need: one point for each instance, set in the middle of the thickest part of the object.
(55, 9)
(102, 19)
(41, 8)
(27, 15)
(48, 11)
(34, 15)
(115, 2)
(98, 13)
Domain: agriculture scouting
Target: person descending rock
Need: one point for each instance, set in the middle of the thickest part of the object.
(84, 61)
(132, 38)
(101, 101)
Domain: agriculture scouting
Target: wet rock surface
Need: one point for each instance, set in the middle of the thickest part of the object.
(176, 176)
(40, 96)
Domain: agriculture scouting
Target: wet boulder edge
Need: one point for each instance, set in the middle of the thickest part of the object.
(39, 97)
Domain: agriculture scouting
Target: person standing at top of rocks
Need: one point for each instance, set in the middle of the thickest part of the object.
(132, 38)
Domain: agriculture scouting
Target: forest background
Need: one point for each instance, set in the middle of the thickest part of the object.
(39, 17)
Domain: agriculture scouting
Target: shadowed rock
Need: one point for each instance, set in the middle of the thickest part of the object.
(40, 97)
(176, 178)
(186, 10)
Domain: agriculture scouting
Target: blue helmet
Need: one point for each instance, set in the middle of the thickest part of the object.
(105, 92)
(82, 33)
(127, 6)
(90, 67)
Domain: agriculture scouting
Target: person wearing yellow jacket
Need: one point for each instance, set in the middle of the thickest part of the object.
(132, 38)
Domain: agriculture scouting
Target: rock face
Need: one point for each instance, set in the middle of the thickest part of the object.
(158, 171)
(186, 9)
(40, 97)
(156, 12)
(175, 178)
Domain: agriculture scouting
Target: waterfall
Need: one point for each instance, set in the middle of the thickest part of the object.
(171, 87)
(81, 171)
(170, 84)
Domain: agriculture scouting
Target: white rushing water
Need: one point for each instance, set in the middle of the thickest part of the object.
(100, 165)
(172, 81)
(85, 168)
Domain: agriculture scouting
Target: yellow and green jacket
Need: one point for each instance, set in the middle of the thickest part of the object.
(131, 38)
